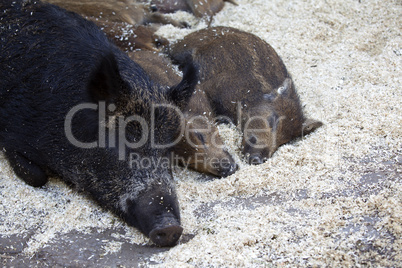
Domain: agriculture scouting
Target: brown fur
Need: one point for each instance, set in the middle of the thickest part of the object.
(246, 81)
(127, 18)
(129, 11)
(159, 68)
(200, 8)
(201, 146)
(128, 37)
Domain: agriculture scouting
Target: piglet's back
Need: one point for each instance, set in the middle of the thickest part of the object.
(222, 50)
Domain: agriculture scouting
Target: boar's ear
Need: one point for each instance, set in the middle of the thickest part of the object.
(105, 81)
(181, 93)
(310, 125)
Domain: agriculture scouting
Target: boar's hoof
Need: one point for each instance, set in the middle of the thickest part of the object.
(255, 160)
(166, 237)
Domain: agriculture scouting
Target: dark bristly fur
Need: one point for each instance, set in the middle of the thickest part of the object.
(246, 81)
(52, 60)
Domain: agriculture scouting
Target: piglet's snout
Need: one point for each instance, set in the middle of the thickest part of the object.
(255, 159)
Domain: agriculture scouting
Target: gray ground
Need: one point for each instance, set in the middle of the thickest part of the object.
(330, 199)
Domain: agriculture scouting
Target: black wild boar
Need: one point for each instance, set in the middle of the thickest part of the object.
(200, 8)
(75, 106)
(201, 147)
(246, 81)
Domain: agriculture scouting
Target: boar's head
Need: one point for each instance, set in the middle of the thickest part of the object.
(131, 174)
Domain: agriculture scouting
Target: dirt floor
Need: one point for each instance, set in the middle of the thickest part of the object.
(331, 199)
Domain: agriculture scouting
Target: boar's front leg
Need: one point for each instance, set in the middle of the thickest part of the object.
(26, 169)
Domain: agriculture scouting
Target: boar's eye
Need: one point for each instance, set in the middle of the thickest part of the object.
(130, 203)
(200, 137)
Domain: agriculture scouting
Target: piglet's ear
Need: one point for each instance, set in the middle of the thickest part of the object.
(310, 125)
(286, 87)
(105, 82)
(181, 93)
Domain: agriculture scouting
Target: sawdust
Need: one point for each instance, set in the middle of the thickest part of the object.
(332, 198)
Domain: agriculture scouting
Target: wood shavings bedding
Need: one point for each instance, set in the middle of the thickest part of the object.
(317, 202)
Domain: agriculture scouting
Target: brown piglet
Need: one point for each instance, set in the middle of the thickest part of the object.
(200, 148)
(246, 82)
(129, 11)
(126, 22)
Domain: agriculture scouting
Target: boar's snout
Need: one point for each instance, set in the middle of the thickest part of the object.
(166, 236)
(155, 212)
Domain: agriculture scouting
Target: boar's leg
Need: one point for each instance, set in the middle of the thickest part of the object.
(207, 8)
(27, 170)
(170, 6)
(157, 17)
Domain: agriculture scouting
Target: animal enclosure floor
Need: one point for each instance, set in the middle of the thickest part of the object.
(332, 198)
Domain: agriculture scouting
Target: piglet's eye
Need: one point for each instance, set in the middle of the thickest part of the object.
(252, 140)
(273, 121)
(153, 8)
(200, 137)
